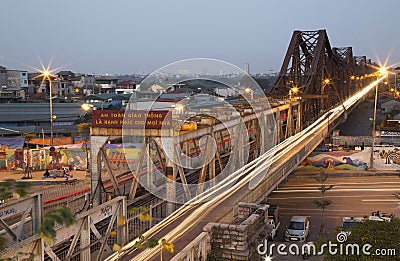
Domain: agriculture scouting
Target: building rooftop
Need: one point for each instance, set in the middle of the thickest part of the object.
(11, 89)
(126, 83)
(108, 96)
(21, 112)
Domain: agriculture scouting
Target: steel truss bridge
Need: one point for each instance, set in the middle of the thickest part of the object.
(320, 85)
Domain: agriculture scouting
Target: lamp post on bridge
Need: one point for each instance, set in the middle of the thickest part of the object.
(51, 111)
(382, 71)
(371, 162)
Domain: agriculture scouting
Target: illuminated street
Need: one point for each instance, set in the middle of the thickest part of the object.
(350, 196)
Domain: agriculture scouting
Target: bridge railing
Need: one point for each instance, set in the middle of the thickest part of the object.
(196, 250)
(136, 225)
(199, 246)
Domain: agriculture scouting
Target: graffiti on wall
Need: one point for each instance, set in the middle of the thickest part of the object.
(390, 156)
(72, 157)
(40, 159)
(338, 160)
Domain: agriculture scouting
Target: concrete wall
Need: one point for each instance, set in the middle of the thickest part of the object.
(354, 140)
(367, 140)
(239, 241)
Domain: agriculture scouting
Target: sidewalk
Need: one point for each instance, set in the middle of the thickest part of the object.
(38, 176)
(345, 173)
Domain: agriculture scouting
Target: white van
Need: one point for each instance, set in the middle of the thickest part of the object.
(298, 229)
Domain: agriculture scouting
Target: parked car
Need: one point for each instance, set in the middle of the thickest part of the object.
(273, 220)
(298, 229)
(351, 221)
(381, 216)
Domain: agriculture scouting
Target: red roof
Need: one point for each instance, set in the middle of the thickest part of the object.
(126, 83)
(179, 91)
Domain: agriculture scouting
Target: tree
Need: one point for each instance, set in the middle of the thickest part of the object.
(28, 170)
(7, 190)
(141, 241)
(84, 130)
(10, 186)
(322, 203)
(380, 235)
(28, 137)
(61, 216)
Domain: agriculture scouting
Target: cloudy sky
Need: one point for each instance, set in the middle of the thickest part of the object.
(132, 36)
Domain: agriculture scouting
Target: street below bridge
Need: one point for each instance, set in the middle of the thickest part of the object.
(351, 197)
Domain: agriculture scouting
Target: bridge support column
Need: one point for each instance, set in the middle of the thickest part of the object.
(171, 172)
(278, 125)
(235, 148)
(299, 118)
(149, 163)
(85, 239)
(289, 121)
(96, 143)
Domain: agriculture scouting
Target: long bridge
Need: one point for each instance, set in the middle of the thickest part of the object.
(199, 169)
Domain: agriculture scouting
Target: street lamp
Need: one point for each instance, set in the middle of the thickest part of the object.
(86, 107)
(382, 71)
(373, 130)
(51, 112)
(249, 91)
(46, 74)
(179, 107)
(293, 93)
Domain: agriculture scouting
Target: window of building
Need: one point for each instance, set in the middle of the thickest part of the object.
(63, 123)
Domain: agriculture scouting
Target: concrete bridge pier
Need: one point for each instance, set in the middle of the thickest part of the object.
(171, 172)
(96, 143)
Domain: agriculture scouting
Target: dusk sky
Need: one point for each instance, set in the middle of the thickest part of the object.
(127, 36)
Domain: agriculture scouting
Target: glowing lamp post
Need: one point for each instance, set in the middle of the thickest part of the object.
(46, 74)
(382, 71)
(249, 92)
(293, 93)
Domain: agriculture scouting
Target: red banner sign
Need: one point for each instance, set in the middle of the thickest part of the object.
(131, 119)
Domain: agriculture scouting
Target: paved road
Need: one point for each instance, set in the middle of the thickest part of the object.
(350, 196)
(357, 123)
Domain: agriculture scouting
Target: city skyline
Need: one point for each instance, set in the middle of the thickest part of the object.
(128, 37)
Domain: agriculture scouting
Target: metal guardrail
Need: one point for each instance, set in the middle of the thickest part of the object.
(197, 250)
(274, 177)
(83, 231)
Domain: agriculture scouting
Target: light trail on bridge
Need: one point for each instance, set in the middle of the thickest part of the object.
(244, 175)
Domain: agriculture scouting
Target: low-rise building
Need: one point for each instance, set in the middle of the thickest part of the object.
(125, 87)
(17, 78)
(85, 83)
(3, 76)
(389, 106)
(13, 78)
(106, 84)
(35, 118)
(11, 94)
